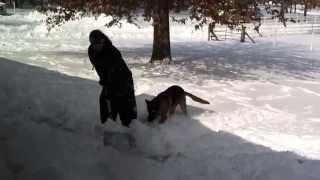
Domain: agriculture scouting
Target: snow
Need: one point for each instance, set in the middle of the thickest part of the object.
(262, 122)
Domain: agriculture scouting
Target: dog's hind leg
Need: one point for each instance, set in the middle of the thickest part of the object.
(163, 118)
(183, 105)
(172, 109)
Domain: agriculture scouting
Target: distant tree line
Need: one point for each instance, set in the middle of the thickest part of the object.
(232, 13)
(226, 12)
(27, 3)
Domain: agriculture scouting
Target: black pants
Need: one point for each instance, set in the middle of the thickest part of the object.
(105, 108)
(111, 105)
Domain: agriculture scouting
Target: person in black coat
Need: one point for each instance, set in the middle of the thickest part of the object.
(117, 95)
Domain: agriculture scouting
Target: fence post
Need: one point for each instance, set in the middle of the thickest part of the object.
(275, 33)
(225, 33)
(14, 7)
(312, 33)
(243, 33)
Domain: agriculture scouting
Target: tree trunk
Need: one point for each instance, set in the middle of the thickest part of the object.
(243, 34)
(305, 8)
(42, 4)
(282, 13)
(161, 35)
(19, 3)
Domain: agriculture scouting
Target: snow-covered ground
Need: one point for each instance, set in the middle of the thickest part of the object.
(263, 121)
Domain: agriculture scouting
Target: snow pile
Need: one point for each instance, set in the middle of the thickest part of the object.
(50, 129)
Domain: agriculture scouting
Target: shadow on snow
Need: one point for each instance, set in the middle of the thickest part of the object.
(234, 61)
(49, 129)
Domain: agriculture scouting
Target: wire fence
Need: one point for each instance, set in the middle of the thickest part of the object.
(296, 24)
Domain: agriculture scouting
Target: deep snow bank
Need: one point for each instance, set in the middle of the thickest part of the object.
(50, 130)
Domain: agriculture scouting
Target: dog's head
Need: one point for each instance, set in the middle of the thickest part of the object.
(153, 110)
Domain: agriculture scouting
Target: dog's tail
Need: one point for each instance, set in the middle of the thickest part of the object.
(195, 98)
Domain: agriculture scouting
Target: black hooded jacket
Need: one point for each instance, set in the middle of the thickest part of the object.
(116, 79)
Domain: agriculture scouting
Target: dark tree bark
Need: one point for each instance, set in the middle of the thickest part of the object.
(42, 4)
(19, 3)
(243, 34)
(282, 13)
(161, 35)
(305, 8)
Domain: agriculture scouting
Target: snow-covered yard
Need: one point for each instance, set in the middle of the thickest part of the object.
(263, 121)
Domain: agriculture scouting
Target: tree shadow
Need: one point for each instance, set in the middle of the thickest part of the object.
(48, 130)
(235, 61)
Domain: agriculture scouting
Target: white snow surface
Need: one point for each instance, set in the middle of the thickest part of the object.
(262, 123)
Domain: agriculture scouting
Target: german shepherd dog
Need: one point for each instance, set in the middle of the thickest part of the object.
(166, 102)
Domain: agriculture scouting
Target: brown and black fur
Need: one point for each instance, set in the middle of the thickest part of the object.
(166, 102)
